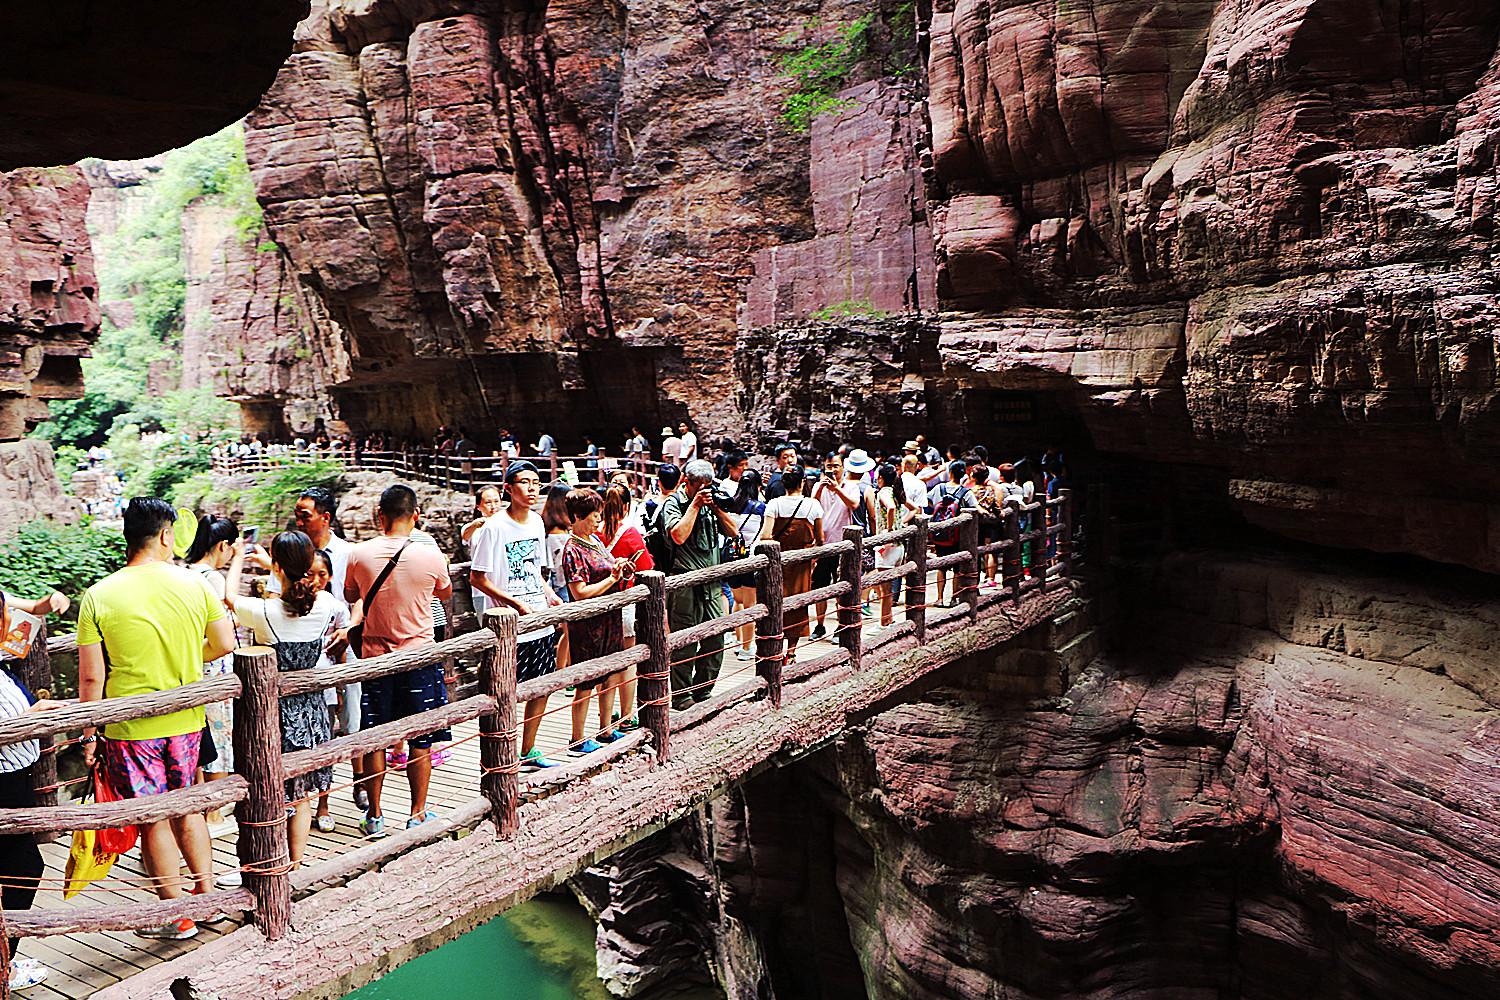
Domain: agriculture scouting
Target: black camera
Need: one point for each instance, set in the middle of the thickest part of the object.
(720, 499)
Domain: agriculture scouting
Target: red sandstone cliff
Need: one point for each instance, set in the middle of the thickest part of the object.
(49, 314)
(505, 206)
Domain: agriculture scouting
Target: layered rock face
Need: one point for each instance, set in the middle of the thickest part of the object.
(129, 80)
(504, 207)
(1248, 235)
(1282, 788)
(49, 314)
(1254, 234)
(49, 308)
(1253, 780)
(251, 332)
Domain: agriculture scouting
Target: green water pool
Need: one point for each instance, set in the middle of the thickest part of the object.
(540, 950)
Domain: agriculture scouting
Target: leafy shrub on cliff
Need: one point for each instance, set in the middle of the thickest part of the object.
(846, 309)
(45, 556)
(883, 41)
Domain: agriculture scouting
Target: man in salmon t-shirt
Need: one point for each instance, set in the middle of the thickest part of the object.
(398, 616)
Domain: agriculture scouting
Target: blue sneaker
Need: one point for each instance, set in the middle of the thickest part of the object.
(372, 827)
(586, 747)
(611, 736)
(419, 820)
(532, 760)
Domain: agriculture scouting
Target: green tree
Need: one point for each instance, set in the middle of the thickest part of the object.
(44, 557)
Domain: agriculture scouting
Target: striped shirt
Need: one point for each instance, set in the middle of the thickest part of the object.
(14, 756)
(13, 701)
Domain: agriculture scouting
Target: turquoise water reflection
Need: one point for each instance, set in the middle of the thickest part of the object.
(540, 950)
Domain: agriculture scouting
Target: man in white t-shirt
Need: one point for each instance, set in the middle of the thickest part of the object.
(671, 446)
(687, 449)
(508, 552)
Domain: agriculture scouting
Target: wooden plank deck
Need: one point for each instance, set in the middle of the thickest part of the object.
(82, 964)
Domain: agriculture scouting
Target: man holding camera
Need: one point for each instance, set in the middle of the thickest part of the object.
(696, 521)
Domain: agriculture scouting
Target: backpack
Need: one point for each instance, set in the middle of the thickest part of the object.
(658, 542)
(949, 505)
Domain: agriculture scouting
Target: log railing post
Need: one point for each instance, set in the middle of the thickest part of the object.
(849, 604)
(499, 754)
(916, 580)
(654, 675)
(37, 670)
(1064, 546)
(968, 579)
(770, 589)
(1010, 566)
(262, 815)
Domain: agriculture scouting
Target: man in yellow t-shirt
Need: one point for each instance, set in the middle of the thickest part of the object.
(150, 627)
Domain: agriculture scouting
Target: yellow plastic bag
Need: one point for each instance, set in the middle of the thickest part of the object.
(86, 863)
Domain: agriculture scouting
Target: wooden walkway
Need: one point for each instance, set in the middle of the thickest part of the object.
(82, 964)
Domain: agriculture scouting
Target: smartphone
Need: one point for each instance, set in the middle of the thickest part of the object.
(635, 556)
(251, 535)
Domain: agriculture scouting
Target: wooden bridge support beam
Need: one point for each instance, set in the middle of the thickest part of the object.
(37, 670)
(263, 850)
(1010, 564)
(967, 576)
(499, 741)
(770, 642)
(654, 676)
(850, 603)
(916, 580)
(1065, 537)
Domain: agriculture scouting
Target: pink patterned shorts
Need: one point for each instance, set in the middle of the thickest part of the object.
(137, 768)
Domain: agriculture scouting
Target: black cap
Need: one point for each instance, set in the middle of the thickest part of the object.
(514, 469)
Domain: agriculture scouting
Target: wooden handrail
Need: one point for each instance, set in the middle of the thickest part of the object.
(342, 748)
(583, 672)
(320, 678)
(123, 709)
(125, 812)
(716, 574)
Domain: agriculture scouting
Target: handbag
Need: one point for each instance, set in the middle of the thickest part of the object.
(733, 549)
(357, 632)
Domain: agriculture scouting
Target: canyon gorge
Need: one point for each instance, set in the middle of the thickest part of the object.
(1235, 257)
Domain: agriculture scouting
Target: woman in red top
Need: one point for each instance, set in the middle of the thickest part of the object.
(624, 540)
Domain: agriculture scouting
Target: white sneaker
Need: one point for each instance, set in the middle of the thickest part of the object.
(324, 823)
(26, 972)
(231, 879)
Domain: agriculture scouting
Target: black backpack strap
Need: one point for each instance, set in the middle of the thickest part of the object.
(380, 580)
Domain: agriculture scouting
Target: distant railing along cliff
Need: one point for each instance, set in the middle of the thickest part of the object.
(262, 768)
(454, 472)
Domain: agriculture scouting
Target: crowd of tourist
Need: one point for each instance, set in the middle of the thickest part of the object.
(161, 621)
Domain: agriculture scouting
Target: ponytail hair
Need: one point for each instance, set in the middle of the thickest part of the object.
(292, 553)
(212, 530)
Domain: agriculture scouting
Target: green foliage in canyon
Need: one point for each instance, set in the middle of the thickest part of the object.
(881, 42)
(45, 556)
(141, 263)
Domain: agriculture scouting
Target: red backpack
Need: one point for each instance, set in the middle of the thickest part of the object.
(949, 505)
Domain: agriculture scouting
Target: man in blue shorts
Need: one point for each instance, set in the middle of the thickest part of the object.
(398, 615)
